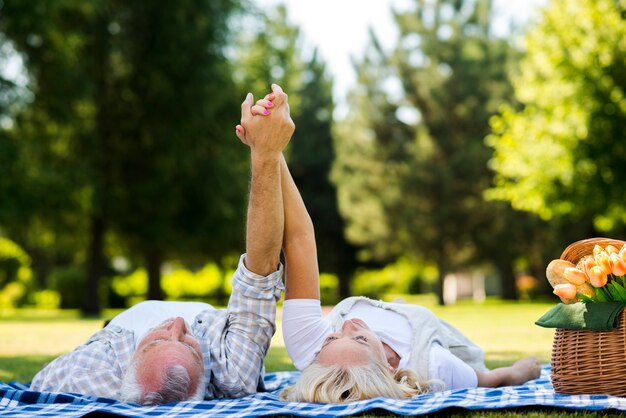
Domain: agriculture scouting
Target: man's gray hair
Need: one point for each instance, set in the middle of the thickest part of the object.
(175, 387)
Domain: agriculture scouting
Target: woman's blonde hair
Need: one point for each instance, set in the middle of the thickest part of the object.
(341, 384)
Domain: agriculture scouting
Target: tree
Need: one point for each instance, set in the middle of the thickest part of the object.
(311, 157)
(180, 179)
(413, 164)
(561, 153)
(127, 129)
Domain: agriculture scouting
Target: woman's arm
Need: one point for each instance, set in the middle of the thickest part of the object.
(299, 248)
(301, 270)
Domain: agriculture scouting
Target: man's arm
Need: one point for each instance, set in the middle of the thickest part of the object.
(267, 137)
(251, 315)
(299, 247)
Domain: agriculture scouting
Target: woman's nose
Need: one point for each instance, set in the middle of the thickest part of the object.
(348, 325)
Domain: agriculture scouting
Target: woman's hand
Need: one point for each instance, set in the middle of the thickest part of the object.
(271, 132)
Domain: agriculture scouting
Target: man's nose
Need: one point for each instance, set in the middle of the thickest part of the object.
(178, 328)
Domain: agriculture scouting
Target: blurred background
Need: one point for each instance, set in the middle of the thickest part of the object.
(453, 147)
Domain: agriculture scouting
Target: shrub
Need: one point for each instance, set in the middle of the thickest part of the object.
(70, 283)
(401, 277)
(15, 274)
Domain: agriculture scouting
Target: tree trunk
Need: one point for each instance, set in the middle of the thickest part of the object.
(95, 266)
(95, 260)
(507, 281)
(441, 268)
(153, 264)
(344, 285)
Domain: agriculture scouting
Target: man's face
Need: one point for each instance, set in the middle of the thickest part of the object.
(168, 344)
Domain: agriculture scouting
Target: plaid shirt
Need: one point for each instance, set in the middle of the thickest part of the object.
(234, 343)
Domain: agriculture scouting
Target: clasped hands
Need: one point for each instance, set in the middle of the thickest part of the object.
(266, 132)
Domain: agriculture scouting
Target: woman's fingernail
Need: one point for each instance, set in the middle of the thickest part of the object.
(238, 129)
(266, 112)
(270, 103)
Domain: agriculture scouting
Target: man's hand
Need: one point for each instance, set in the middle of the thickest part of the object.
(270, 133)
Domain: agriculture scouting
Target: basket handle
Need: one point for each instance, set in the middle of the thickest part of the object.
(575, 251)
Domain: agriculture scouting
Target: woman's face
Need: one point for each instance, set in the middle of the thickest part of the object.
(354, 344)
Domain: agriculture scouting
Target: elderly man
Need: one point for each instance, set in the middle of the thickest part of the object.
(158, 352)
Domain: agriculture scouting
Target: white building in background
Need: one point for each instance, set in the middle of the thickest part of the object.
(464, 285)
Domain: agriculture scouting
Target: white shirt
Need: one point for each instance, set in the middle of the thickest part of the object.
(148, 314)
(304, 331)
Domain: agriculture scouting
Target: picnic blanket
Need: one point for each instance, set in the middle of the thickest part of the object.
(17, 401)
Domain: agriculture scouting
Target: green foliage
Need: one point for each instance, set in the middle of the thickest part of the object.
(561, 154)
(133, 287)
(15, 274)
(209, 283)
(401, 277)
(411, 162)
(123, 133)
(182, 284)
(329, 289)
(70, 283)
(46, 299)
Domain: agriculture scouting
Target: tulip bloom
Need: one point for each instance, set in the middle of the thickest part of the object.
(575, 276)
(610, 249)
(602, 260)
(597, 276)
(597, 250)
(588, 262)
(565, 291)
(618, 266)
(622, 252)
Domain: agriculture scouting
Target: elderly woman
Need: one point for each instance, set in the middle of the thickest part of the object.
(365, 348)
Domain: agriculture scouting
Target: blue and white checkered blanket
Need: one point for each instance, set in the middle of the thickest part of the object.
(17, 401)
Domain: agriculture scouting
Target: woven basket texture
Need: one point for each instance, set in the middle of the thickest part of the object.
(590, 362)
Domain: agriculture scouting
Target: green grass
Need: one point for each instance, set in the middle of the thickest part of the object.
(506, 330)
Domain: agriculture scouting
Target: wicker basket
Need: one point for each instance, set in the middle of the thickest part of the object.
(590, 362)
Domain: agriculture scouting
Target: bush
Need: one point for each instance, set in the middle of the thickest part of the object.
(401, 277)
(209, 283)
(46, 299)
(183, 284)
(70, 283)
(329, 289)
(15, 274)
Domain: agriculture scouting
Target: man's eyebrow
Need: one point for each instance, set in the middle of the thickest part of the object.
(189, 346)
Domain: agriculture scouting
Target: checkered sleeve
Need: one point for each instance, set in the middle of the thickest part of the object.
(250, 325)
(93, 368)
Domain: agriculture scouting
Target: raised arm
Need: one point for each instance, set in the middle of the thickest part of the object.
(236, 359)
(301, 269)
(299, 248)
(267, 137)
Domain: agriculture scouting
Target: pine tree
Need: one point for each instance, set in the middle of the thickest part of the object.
(413, 164)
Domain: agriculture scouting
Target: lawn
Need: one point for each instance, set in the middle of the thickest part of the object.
(506, 331)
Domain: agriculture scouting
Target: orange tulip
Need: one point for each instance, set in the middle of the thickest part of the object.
(622, 252)
(602, 260)
(565, 291)
(597, 276)
(618, 266)
(588, 262)
(575, 276)
(597, 250)
(611, 249)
